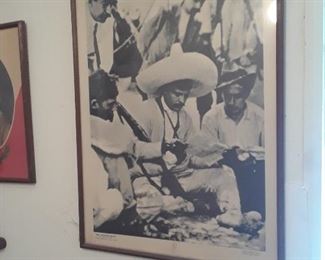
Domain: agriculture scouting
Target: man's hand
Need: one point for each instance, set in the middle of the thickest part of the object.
(177, 148)
(257, 152)
(112, 174)
(247, 160)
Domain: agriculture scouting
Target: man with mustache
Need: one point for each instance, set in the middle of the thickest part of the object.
(184, 75)
(187, 22)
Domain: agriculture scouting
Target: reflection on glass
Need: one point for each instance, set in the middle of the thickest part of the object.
(271, 12)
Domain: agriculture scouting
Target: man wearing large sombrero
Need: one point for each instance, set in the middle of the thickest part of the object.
(169, 83)
(236, 122)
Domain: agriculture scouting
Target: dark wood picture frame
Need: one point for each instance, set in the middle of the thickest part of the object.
(79, 71)
(22, 117)
(280, 88)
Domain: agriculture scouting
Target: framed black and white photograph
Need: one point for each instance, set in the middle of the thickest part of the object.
(179, 107)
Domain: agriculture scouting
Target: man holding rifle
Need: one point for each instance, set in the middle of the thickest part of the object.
(117, 142)
(112, 190)
(172, 81)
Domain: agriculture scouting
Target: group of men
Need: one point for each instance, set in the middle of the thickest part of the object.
(154, 160)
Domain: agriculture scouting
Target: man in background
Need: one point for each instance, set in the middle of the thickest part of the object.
(187, 22)
(111, 45)
(170, 22)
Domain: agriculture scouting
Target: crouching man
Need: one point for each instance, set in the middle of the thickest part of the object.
(239, 125)
(170, 82)
(111, 141)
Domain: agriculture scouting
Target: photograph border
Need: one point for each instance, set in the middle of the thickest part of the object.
(25, 86)
(280, 176)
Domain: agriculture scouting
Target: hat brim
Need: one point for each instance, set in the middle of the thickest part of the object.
(185, 66)
(245, 81)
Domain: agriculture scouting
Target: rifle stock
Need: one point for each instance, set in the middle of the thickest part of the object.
(168, 179)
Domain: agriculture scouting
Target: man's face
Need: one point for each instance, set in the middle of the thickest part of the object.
(193, 6)
(235, 100)
(175, 97)
(100, 10)
(105, 109)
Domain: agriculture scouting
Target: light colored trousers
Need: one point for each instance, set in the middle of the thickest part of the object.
(221, 182)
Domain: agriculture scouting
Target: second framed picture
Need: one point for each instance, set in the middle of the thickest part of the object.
(179, 127)
(16, 133)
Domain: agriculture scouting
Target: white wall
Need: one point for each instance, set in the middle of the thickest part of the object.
(303, 97)
(41, 221)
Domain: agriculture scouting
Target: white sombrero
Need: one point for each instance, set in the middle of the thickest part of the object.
(180, 66)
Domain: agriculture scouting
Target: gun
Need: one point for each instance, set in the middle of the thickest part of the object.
(168, 179)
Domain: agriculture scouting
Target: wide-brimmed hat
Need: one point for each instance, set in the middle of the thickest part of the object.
(239, 76)
(191, 66)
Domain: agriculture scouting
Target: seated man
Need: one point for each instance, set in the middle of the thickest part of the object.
(111, 149)
(239, 125)
(172, 80)
(115, 148)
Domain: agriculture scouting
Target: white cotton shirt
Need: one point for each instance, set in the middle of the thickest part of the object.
(106, 203)
(105, 32)
(183, 23)
(111, 137)
(247, 133)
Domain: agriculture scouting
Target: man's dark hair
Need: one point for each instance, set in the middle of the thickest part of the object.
(6, 93)
(102, 86)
